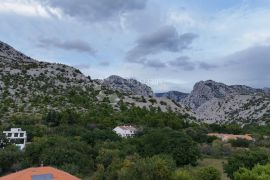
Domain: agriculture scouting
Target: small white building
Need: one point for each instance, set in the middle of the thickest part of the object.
(17, 136)
(125, 131)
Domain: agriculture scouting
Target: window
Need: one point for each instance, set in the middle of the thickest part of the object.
(9, 134)
(21, 134)
(16, 134)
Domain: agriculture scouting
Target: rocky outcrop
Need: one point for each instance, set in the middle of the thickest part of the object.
(173, 95)
(204, 91)
(129, 86)
(216, 102)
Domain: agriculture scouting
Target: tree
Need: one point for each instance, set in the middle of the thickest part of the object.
(3, 141)
(209, 173)
(259, 172)
(166, 141)
(240, 142)
(65, 153)
(9, 157)
(92, 137)
(245, 159)
(53, 118)
(158, 167)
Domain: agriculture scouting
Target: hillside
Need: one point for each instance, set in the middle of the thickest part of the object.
(31, 86)
(216, 102)
(130, 86)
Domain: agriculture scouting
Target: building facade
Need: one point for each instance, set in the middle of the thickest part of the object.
(17, 136)
(125, 131)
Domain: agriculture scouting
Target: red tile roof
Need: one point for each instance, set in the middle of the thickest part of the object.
(230, 136)
(27, 174)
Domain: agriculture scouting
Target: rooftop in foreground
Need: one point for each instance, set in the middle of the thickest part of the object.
(40, 173)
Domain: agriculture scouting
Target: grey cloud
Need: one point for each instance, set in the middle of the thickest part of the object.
(104, 63)
(164, 39)
(96, 10)
(207, 66)
(184, 63)
(251, 65)
(155, 64)
(77, 45)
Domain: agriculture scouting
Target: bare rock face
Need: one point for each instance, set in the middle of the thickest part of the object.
(216, 102)
(129, 86)
(204, 91)
(173, 95)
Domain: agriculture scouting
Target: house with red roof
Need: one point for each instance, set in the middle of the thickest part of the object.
(227, 137)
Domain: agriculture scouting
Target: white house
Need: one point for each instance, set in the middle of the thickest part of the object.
(17, 136)
(125, 131)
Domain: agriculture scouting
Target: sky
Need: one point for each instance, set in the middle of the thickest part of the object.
(169, 45)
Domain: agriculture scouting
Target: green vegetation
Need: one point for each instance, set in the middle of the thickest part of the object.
(85, 145)
(259, 172)
(72, 131)
(246, 159)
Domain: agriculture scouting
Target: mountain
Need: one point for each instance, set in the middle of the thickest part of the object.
(34, 87)
(130, 86)
(9, 52)
(216, 102)
(173, 95)
(204, 91)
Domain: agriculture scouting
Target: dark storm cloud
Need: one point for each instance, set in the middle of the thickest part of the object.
(164, 39)
(96, 10)
(183, 62)
(77, 45)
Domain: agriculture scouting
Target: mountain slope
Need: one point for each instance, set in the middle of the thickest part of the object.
(130, 86)
(216, 102)
(31, 86)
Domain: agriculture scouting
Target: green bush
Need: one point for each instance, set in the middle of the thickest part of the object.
(245, 159)
(259, 172)
(209, 173)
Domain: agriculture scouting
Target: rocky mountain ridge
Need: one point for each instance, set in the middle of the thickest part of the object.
(31, 86)
(216, 102)
(204, 91)
(130, 86)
